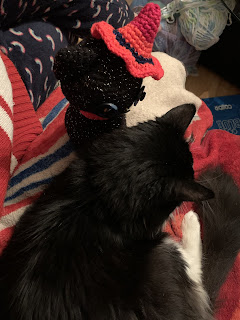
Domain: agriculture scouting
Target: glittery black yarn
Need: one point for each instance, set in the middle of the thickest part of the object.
(91, 75)
(80, 129)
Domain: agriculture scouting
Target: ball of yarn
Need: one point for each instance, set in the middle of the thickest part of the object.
(202, 25)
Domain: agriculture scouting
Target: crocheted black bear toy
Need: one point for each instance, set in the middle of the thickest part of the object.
(102, 76)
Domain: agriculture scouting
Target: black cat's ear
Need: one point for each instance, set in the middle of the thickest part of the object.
(192, 191)
(180, 116)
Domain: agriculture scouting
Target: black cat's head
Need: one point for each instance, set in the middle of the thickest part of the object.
(95, 80)
(142, 173)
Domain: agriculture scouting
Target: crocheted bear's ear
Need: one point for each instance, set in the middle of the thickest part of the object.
(74, 62)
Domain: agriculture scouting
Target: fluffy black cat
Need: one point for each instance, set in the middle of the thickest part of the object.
(91, 247)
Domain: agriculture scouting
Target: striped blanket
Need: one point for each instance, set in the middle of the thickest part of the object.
(34, 147)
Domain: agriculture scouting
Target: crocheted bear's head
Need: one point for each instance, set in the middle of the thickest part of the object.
(91, 76)
(102, 75)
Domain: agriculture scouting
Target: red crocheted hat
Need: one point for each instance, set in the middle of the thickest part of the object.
(134, 42)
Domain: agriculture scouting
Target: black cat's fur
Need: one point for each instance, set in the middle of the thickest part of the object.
(221, 220)
(91, 247)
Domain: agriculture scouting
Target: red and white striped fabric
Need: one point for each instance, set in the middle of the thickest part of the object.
(34, 147)
(6, 130)
(18, 122)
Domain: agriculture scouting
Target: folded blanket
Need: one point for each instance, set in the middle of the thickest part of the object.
(35, 148)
